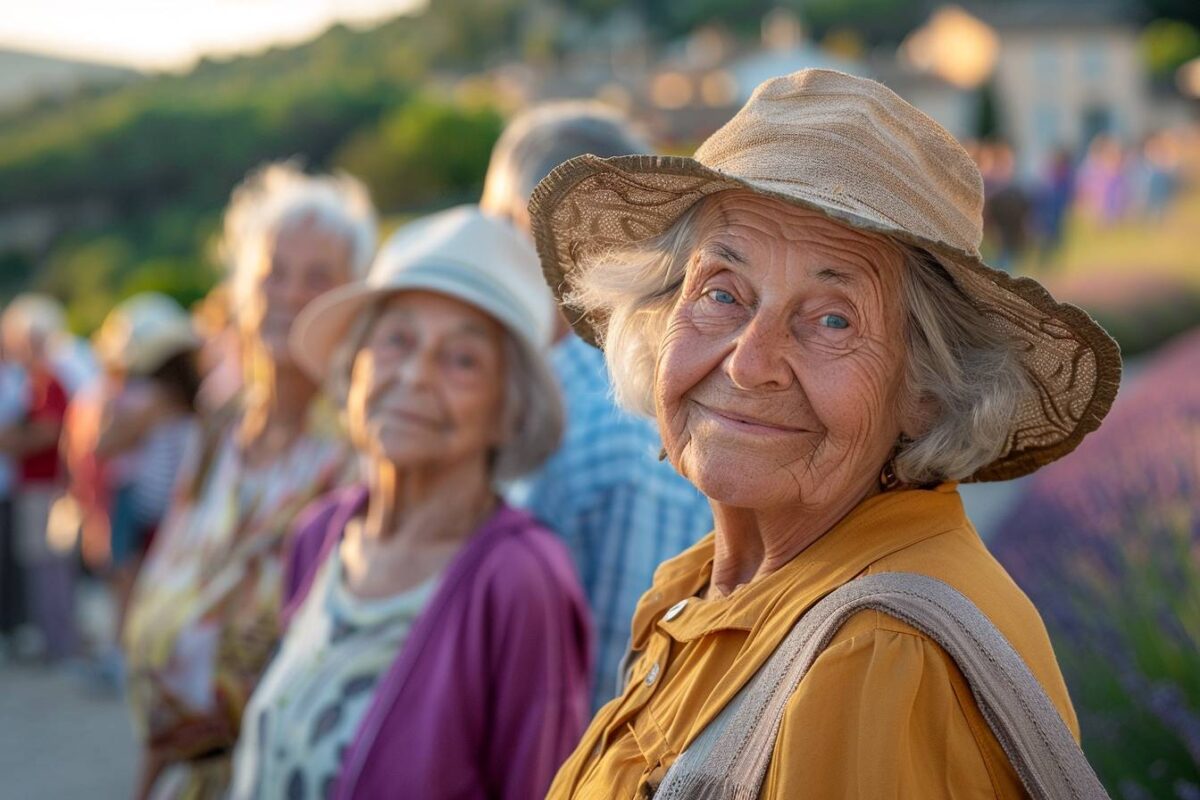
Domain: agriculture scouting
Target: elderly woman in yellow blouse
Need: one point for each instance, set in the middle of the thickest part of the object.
(203, 619)
(803, 308)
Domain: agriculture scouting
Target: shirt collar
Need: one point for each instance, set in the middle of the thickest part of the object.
(876, 528)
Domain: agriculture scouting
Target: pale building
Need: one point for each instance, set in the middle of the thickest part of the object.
(1066, 72)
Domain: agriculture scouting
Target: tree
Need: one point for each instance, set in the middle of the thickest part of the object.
(424, 153)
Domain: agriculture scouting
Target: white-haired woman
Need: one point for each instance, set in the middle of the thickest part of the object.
(33, 328)
(618, 508)
(803, 308)
(438, 639)
(203, 620)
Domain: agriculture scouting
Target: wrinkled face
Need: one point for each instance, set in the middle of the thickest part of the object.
(426, 387)
(779, 377)
(301, 262)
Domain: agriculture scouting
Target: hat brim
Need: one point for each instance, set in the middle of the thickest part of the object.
(322, 324)
(588, 205)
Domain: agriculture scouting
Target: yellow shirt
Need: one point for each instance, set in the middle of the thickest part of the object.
(883, 713)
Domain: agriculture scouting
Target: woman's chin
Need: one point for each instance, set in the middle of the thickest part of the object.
(411, 456)
(403, 454)
(754, 486)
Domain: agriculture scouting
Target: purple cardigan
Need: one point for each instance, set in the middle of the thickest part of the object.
(489, 694)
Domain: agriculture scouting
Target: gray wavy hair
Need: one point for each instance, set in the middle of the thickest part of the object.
(540, 139)
(279, 194)
(961, 372)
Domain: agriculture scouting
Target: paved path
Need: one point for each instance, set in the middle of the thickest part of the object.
(60, 740)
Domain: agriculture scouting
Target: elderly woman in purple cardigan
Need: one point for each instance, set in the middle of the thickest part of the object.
(437, 640)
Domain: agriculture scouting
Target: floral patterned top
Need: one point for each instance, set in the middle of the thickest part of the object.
(315, 695)
(204, 618)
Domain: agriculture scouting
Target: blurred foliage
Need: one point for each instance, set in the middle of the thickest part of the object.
(163, 140)
(875, 21)
(1167, 45)
(1105, 542)
(1144, 326)
(987, 114)
(423, 153)
(1183, 10)
(131, 181)
(1140, 309)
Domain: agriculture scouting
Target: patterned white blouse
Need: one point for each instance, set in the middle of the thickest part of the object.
(308, 706)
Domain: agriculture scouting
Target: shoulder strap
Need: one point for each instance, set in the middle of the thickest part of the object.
(729, 759)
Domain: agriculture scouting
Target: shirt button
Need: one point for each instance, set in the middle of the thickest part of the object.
(652, 675)
(675, 610)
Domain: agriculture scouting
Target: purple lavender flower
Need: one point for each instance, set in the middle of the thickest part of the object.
(1106, 542)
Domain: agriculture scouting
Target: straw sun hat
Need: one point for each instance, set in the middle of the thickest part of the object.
(850, 149)
(143, 332)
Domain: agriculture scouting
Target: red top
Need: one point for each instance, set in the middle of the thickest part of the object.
(47, 403)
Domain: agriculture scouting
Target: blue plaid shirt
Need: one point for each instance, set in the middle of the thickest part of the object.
(619, 510)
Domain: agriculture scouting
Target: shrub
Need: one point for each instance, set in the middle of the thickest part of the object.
(1140, 309)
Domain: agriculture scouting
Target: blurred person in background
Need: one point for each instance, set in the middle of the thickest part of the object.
(74, 362)
(1156, 174)
(204, 615)
(148, 347)
(438, 638)
(618, 508)
(1056, 193)
(31, 325)
(218, 359)
(12, 585)
(87, 472)
(1007, 208)
(1102, 182)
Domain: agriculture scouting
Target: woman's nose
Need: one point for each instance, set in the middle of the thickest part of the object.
(757, 360)
(418, 368)
(289, 293)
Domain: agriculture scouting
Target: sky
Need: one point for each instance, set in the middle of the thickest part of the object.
(173, 34)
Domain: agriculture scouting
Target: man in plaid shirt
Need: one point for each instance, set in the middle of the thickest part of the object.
(619, 509)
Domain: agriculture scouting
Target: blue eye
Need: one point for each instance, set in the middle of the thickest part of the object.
(722, 297)
(836, 321)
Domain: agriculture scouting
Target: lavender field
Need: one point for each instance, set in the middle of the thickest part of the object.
(1107, 544)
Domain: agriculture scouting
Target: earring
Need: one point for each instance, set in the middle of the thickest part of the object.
(887, 476)
(888, 479)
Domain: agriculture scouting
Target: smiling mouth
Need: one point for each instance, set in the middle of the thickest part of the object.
(409, 418)
(748, 424)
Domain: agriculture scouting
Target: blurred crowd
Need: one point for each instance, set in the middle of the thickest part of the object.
(189, 460)
(1025, 216)
(277, 512)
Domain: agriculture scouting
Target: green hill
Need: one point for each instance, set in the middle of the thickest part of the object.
(126, 186)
